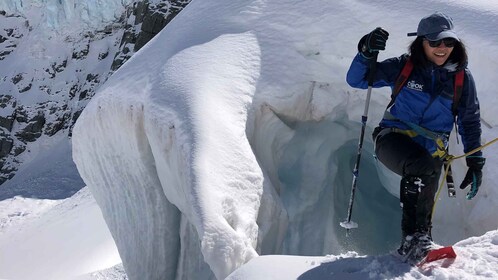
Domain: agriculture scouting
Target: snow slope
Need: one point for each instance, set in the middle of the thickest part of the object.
(52, 241)
(48, 238)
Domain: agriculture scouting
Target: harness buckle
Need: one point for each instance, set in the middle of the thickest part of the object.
(442, 143)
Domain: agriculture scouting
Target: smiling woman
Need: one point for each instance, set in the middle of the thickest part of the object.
(438, 51)
(412, 138)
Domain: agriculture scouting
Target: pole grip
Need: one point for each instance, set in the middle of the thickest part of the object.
(372, 69)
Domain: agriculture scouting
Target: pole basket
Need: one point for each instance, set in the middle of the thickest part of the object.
(349, 225)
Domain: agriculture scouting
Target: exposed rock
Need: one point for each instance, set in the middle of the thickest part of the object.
(20, 115)
(21, 83)
(17, 78)
(3, 54)
(33, 129)
(152, 18)
(83, 94)
(45, 89)
(6, 100)
(9, 31)
(56, 68)
(74, 89)
(103, 55)
(9, 41)
(7, 122)
(59, 124)
(6, 145)
(82, 51)
(26, 88)
(67, 95)
(92, 78)
(18, 149)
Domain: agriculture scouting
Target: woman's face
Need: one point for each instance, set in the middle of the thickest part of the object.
(439, 54)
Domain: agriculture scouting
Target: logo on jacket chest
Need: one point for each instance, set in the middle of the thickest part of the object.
(415, 86)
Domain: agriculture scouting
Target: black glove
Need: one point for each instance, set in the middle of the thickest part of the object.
(473, 178)
(373, 42)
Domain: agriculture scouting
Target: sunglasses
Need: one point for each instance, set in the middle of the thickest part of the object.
(448, 42)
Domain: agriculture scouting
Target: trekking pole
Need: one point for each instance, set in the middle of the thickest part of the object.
(348, 224)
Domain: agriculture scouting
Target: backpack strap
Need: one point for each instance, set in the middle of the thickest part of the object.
(401, 80)
(459, 77)
(407, 70)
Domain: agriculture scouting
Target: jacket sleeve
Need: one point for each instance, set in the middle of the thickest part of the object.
(469, 117)
(386, 72)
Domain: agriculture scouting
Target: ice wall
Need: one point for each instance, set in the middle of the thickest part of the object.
(180, 161)
(66, 14)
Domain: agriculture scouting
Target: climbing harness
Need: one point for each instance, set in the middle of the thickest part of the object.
(447, 168)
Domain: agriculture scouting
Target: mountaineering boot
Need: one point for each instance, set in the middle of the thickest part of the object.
(420, 246)
(416, 198)
(406, 243)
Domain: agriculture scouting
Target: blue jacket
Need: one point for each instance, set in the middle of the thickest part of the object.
(425, 99)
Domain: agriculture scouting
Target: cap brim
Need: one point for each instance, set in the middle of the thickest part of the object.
(442, 35)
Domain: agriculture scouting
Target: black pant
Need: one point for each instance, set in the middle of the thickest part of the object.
(420, 174)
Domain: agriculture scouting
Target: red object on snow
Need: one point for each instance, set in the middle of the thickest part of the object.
(438, 254)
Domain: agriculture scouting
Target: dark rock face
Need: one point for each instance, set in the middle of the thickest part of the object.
(6, 145)
(32, 129)
(66, 83)
(152, 18)
(10, 37)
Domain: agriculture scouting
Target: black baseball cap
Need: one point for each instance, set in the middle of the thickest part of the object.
(435, 27)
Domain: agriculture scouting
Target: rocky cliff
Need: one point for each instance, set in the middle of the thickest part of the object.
(47, 76)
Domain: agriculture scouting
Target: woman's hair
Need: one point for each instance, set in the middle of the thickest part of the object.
(417, 54)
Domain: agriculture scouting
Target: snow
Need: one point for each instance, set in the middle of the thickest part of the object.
(61, 233)
(476, 259)
(51, 228)
(224, 148)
